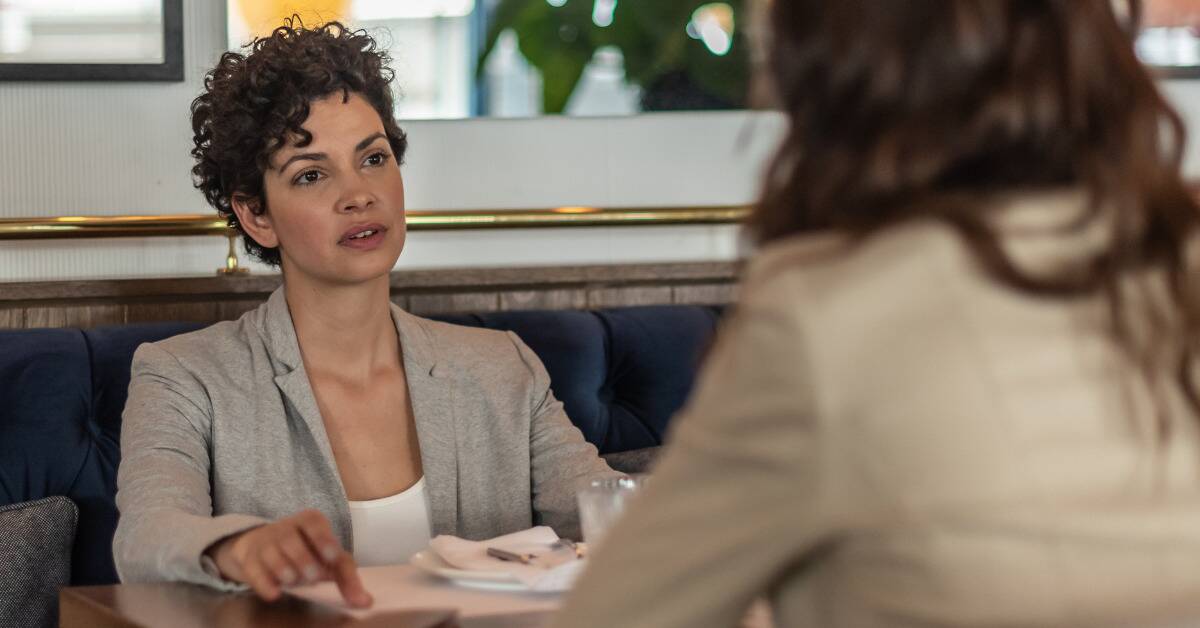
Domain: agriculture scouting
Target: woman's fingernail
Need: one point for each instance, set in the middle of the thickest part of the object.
(311, 573)
(287, 576)
(330, 553)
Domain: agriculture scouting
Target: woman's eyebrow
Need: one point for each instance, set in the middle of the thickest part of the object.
(322, 156)
(367, 142)
(299, 156)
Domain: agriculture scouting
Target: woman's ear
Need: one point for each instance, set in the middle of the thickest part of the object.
(254, 220)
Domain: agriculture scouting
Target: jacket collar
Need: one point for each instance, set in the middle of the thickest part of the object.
(279, 332)
(420, 351)
(416, 343)
(431, 393)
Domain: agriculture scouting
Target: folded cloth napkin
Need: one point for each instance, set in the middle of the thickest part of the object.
(553, 568)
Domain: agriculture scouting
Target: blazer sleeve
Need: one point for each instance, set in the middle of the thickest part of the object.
(742, 494)
(163, 489)
(561, 460)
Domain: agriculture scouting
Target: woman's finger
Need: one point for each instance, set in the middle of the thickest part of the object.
(319, 534)
(259, 579)
(278, 565)
(300, 554)
(345, 573)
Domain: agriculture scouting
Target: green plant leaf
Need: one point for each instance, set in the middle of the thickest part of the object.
(727, 76)
(664, 17)
(651, 35)
(558, 42)
(629, 35)
(560, 75)
(662, 27)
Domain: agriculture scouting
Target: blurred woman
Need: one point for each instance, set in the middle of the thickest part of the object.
(958, 388)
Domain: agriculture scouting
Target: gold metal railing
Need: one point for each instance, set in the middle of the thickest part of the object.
(70, 227)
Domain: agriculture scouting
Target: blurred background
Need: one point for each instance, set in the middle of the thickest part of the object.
(516, 58)
(504, 58)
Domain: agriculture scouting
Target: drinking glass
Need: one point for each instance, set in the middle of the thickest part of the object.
(601, 503)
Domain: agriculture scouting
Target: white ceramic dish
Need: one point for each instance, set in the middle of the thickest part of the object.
(429, 562)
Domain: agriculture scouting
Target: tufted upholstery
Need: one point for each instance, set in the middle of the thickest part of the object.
(61, 396)
(621, 373)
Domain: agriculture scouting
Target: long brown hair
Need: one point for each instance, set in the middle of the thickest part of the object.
(901, 110)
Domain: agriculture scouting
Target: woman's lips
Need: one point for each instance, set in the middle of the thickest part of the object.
(364, 238)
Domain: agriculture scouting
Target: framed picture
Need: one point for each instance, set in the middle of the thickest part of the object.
(99, 40)
(1170, 37)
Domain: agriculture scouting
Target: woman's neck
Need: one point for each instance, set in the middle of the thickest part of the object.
(345, 330)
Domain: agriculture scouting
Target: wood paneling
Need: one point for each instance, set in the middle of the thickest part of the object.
(12, 318)
(704, 294)
(193, 311)
(548, 299)
(79, 316)
(422, 304)
(210, 299)
(629, 295)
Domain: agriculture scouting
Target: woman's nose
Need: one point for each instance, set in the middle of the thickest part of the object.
(357, 196)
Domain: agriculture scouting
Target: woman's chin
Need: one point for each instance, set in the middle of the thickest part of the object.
(344, 267)
(360, 272)
(366, 271)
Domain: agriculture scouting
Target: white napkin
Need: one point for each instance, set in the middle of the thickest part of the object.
(551, 572)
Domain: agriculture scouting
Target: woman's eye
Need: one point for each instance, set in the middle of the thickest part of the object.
(377, 159)
(307, 177)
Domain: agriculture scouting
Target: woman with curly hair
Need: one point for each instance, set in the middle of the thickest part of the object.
(328, 428)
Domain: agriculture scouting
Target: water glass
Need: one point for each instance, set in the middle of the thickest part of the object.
(601, 503)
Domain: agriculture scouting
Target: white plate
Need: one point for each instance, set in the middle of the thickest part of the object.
(429, 562)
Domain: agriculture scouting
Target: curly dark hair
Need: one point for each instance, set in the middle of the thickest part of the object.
(253, 103)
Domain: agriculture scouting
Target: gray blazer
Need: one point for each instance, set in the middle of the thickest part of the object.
(222, 432)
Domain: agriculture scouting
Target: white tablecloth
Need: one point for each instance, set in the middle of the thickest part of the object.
(403, 587)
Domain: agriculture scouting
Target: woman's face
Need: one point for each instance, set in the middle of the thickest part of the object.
(335, 207)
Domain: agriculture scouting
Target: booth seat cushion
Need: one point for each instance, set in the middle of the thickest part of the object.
(621, 373)
(61, 396)
(35, 559)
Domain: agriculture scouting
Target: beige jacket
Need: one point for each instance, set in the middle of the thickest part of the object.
(884, 436)
(221, 432)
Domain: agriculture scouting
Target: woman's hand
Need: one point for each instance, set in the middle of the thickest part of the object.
(300, 549)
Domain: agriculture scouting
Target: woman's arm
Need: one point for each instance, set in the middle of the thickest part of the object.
(742, 495)
(167, 531)
(163, 489)
(560, 459)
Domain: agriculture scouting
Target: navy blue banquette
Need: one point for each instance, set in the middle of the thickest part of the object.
(621, 374)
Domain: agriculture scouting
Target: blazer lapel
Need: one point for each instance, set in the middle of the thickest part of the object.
(292, 381)
(298, 393)
(432, 393)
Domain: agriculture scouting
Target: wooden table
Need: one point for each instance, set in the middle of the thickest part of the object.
(187, 606)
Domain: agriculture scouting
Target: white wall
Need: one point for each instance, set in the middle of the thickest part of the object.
(698, 159)
(107, 148)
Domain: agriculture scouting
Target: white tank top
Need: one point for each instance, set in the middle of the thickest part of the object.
(389, 530)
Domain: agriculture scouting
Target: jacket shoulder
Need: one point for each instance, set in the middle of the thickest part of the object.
(829, 269)
(466, 344)
(218, 348)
